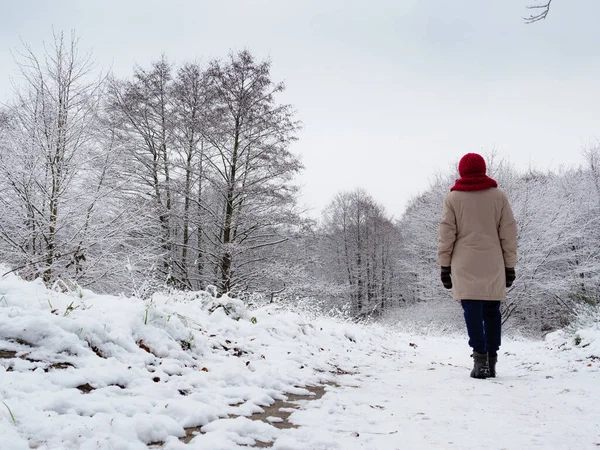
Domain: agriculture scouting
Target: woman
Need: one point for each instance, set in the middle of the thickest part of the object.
(477, 252)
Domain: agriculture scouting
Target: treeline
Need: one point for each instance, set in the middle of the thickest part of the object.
(558, 218)
(182, 176)
(378, 264)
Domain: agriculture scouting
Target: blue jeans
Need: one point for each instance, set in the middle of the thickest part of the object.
(484, 325)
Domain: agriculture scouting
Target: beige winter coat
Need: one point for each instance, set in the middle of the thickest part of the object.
(478, 239)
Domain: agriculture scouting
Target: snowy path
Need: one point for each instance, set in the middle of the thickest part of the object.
(425, 399)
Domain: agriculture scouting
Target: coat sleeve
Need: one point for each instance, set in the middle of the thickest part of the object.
(507, 232)
(446, 234)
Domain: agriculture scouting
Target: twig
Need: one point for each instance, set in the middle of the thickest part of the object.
(365, 432)
(540, 16)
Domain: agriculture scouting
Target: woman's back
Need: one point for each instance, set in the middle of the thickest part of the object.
(478, 239)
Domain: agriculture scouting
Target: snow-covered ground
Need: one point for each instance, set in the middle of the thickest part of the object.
(85, 371)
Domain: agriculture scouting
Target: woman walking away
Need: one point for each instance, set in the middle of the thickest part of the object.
(477, 252)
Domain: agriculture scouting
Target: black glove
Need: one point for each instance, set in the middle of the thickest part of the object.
(510, 276)
(445, 276)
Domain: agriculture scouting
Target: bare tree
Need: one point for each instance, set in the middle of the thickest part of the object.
(144, 110)
(252, 170)
(191, 99)
(359, 243)
(52, 168)
(210, 148)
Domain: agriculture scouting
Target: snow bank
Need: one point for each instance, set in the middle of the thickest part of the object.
(83, 371)
(581, 339)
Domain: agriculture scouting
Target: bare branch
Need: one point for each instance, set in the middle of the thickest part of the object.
(541, 11)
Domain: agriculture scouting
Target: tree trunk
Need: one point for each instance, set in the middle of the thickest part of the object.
(199, 228)
(226, 260)
(186, 213)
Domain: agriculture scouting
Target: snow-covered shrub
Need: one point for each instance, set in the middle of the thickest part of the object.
(233, 307)
(585, 316)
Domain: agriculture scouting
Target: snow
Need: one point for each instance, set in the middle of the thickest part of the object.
(108, 372)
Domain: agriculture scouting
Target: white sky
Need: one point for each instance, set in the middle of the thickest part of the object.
(389, 91)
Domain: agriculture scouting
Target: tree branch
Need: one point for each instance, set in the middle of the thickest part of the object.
(540, 10)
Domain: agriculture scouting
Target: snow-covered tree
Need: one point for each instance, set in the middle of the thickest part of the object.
(143, 112)
(358, 244)
(252, 170)
(54, 165)
(208, 150)
(557, 215)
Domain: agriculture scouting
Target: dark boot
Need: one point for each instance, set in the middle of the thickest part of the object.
(480, 365)
(492, 360)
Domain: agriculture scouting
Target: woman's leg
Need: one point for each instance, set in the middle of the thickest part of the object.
(473, 312)
(492, 319)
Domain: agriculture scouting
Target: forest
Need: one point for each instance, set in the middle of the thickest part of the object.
(184, 177)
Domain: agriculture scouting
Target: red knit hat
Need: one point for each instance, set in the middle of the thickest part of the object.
(472, 174)
(471, 164)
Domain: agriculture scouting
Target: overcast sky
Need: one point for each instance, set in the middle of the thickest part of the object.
(389, 91)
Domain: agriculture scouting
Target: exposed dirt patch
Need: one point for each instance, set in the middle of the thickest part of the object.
(339, 371)
(20, 342)
(96, 350)
(260, 444)
(58, 366)
(11, 354)
(86, 388)
(143, 346)
(7, 354)
(281, 410)
(191, 433)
